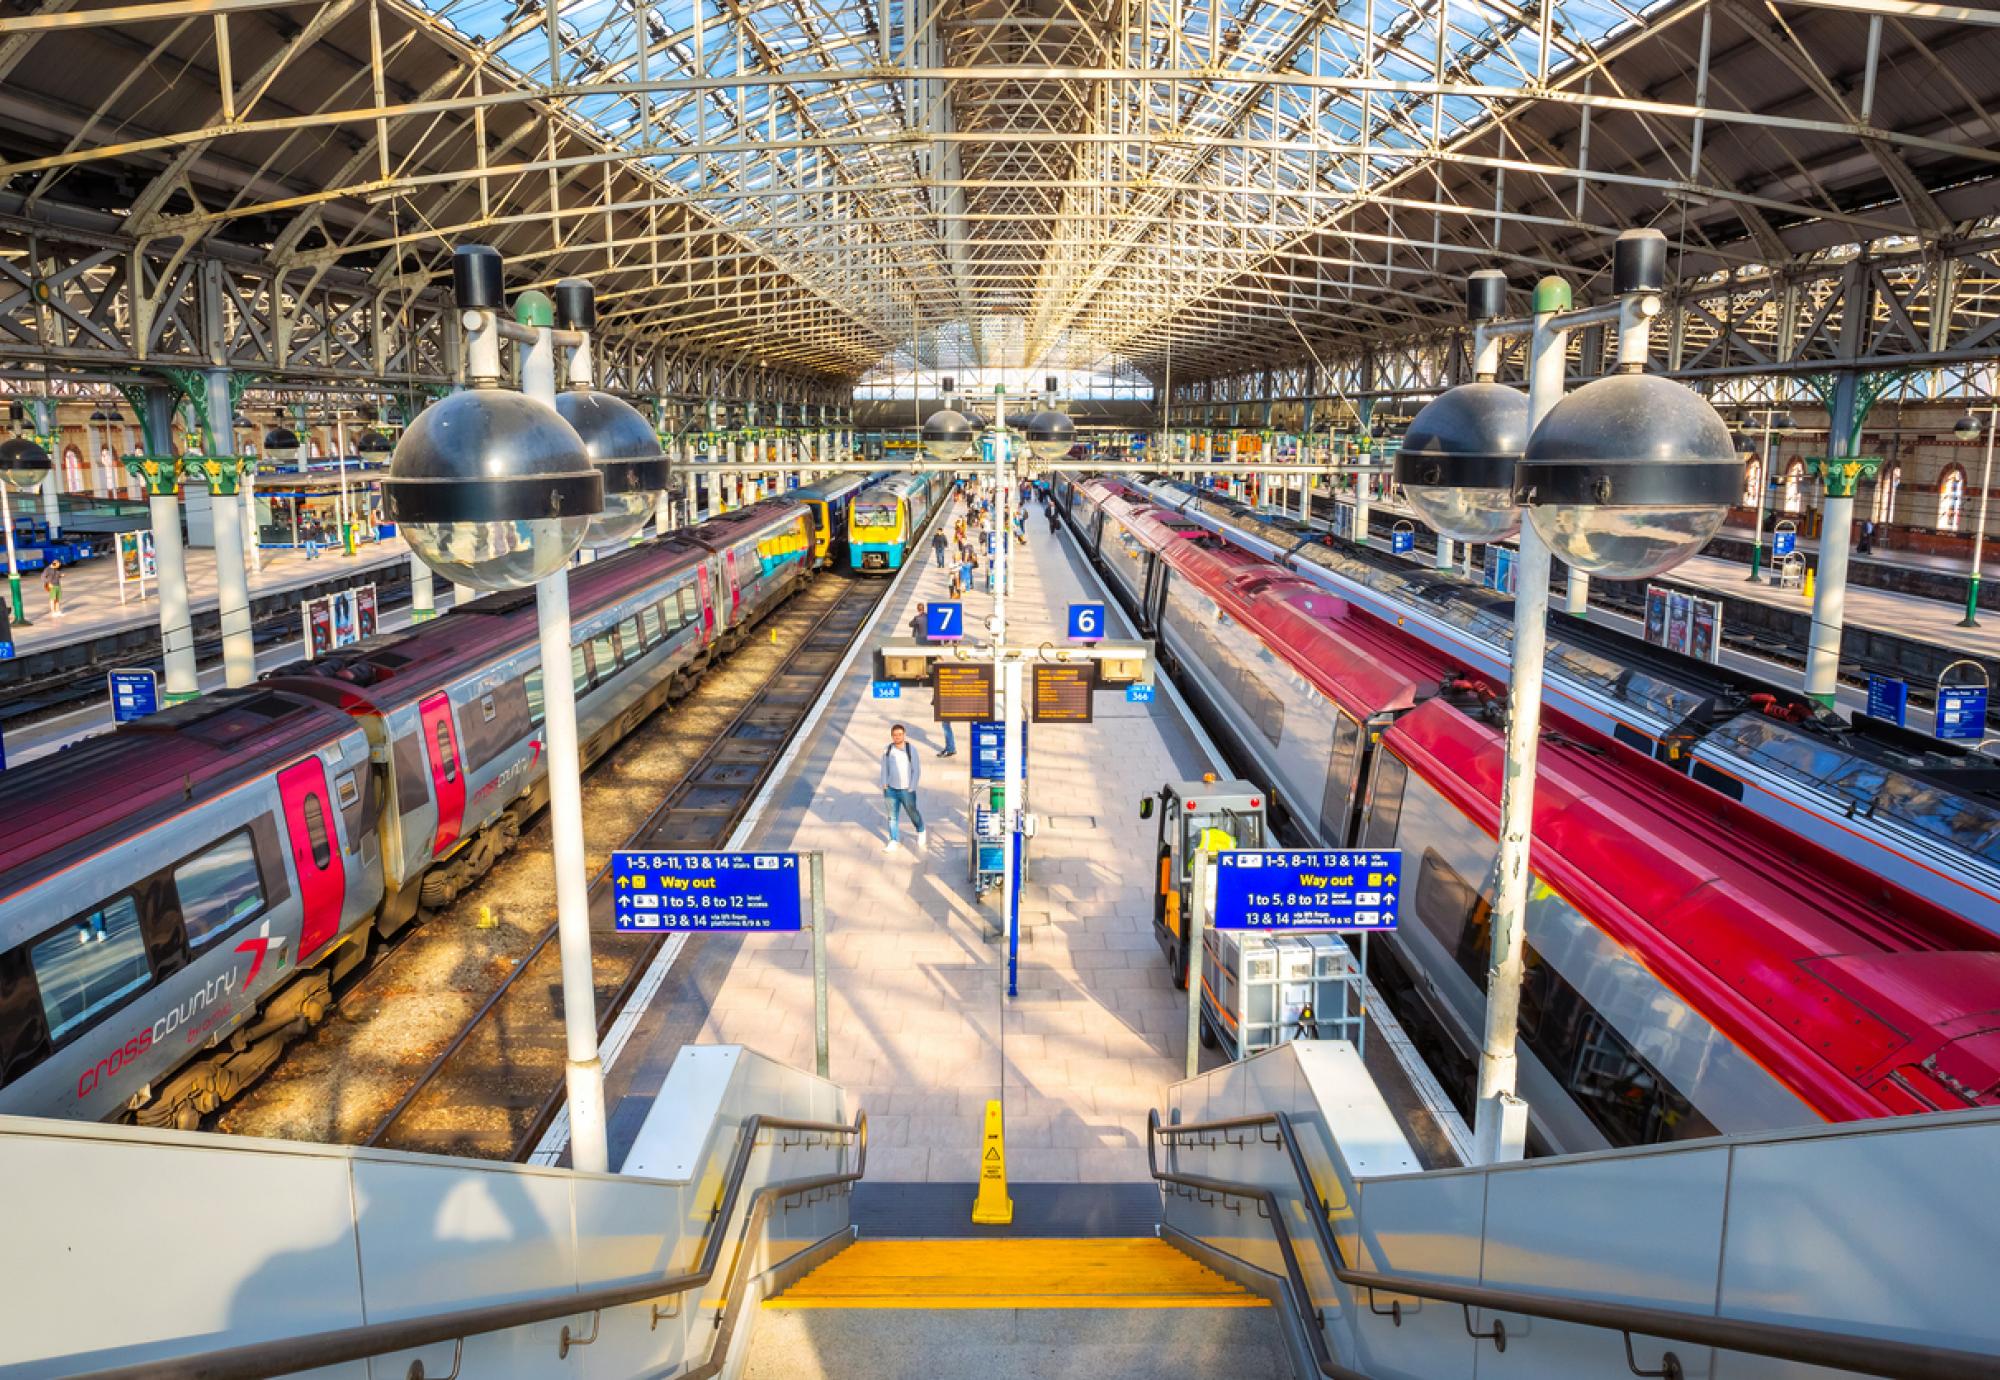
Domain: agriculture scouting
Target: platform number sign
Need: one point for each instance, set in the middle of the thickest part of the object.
(705, 892)
(1961, 712)
(944, 622)
(1347, 889)
(1402, 541)
(1784, 542)
(886, 689)
(1086, 622)
(1138, 694)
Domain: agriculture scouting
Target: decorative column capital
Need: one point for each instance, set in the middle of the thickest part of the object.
(1842, 474)
(223, 473)
(160, 475)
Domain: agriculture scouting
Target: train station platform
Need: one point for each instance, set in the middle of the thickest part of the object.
(92, 609)
(921, 1032)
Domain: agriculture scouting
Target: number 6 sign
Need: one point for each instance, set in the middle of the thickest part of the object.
(1086, 622)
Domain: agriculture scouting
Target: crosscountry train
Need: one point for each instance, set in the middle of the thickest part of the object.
(1693, 967)
(1924, 813)
(193, 883)
(888, 516)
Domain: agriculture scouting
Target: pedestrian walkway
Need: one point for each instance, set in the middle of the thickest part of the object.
(91, 607)
(921, 1032)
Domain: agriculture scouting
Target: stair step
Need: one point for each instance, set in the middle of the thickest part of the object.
(1096, 1272)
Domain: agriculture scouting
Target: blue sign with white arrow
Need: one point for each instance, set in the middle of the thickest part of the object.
(1344, 889)
(704, 892)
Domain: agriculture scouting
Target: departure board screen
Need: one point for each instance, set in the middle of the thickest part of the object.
(964, 691)
(1062, 692)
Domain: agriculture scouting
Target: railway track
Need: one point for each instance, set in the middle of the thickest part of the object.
(493, 1089)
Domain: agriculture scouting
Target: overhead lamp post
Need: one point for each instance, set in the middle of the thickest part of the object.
(23, 467)
(620, 441)
(1626, 477)
(1775, 424)
(1967, 429)
(496, 491)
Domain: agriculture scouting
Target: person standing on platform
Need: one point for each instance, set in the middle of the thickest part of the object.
(902, 769)
(52, 586)
(1055, 524)
(937, 547)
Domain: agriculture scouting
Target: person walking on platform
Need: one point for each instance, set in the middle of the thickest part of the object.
(937, 547)
(1055, 524)
(902, 769)
(52, 586)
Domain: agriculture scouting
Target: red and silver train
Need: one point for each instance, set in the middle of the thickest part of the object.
(1693, 968)
(177, 897)
(1922, 812)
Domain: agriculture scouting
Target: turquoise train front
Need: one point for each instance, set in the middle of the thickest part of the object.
(886, 518)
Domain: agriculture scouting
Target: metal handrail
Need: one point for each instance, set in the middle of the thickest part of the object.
(1844, 1351)
(287, 1355)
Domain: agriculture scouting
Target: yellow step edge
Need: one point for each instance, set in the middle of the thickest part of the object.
(1098, 1272)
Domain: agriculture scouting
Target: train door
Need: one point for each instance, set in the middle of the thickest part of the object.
(1158, 572)
(309, 821)
(707, 611)
(447, 772)
(735, 589)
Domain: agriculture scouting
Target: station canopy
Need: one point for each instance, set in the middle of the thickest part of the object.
(1191, 186)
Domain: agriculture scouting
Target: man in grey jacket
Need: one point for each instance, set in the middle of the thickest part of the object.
(902, 769)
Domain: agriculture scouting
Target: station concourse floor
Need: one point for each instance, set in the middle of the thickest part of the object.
(921, 1034)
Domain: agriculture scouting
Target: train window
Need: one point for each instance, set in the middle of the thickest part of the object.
(532, 683)
(447, 759)
(88, 964)
(649, 625)
(218, 887)
(316, 836)
(1385, 801)
(579, 669)
(604, 655)
(24, 1031)
(1717, 780)
(630, 649)
(412, 790)
(1633, 738)
(1460, 917)
(486, 737)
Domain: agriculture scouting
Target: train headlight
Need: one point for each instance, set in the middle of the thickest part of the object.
(23, 464)
(1458, 458)
(621, 444)
(1050, 435)
(947, 436)
(1629, 476)
(493, 489)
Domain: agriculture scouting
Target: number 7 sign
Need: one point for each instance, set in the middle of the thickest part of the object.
(1086, 622)
(944, 622)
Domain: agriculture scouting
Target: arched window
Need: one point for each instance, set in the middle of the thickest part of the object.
(1885, 494)
(1753, 480)
(1795, 487)
(1951, 499)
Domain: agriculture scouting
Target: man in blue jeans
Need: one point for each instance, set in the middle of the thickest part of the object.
(902, 769)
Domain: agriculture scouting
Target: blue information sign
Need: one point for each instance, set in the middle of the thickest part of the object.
(1086, 622)
(6, 649)
(134, 695)
(1138, 694)
(1402, 541)
(944, 622)
(1347, 889)
(885, 689)
(1961, 712)
(1784, 542)
(989, 746)
(703, 892)
(1889, 699)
